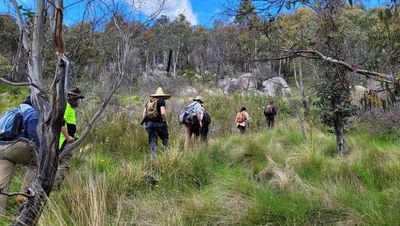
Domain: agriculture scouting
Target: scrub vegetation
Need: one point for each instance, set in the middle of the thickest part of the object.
(276, 176)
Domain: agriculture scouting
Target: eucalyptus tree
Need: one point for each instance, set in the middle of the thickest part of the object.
(9, 49)
(334, 87)
(198, 54)
(177, 39)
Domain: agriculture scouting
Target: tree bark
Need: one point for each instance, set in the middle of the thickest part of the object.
(338, 125)
(176, 58)
(300, 86)
(50, 129)
(280, 67)
(50, 117)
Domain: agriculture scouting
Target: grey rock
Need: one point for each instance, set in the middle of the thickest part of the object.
(247, 82)
(189, 91)
(276, 86)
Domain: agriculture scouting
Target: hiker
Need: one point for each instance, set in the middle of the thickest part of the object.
(19, 148)
(241, 120)
(68, 134)
(270, 112)
(196, 121)
(155, 119)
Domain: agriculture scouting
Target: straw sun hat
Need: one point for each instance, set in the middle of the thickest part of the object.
(198, 98)
(160, 94)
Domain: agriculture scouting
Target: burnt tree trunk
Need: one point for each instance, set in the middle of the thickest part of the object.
(338, 125)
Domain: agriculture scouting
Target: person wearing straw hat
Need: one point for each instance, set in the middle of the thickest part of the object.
(155, 118)
(196, 121)
(19, 150)
(68, 134)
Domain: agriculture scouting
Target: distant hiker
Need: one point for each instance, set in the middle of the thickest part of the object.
(68, 134)
(196, 121)
(270, 112)
(18, 142)
(155, 119)
(241, 120)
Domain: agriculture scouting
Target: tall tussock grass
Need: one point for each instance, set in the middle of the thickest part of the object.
(266, 177)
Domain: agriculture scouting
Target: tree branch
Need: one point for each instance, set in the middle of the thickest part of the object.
(370, 74)
(30, 193)
(314, 54)
(20, 83)
(22, 28)
(70, 147)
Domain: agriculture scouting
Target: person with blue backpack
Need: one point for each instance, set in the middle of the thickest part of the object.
(196, 121)
(18, 144)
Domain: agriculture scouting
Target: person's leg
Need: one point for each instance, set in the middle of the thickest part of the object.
(26, 183)
(14, 153)
(62, 170)
(269, 120)
(162, 133)
(272, 122)
(6, 171)
(152, 138)
(242, 129)
(188, 136)
(204, 132)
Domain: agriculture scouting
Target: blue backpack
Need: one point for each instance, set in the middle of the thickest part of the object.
(10, 122)
(186, 114)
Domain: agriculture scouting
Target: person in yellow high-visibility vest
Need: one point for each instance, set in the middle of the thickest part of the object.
(68, 134)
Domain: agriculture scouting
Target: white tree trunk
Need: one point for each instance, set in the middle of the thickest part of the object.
(176, 58)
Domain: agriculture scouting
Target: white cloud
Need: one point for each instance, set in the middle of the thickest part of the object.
(172, 8)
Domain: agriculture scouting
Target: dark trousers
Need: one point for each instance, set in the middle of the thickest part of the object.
(200, 131)
(157, 130)
(242, 129)
(270, 120)
(192, 126)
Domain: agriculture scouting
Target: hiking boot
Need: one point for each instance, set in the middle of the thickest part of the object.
(20, 199)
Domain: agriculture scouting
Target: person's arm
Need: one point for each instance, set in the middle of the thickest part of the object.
(246, 116)
(144, 112)
(32, 132)
(198, 115)
(64, 132)
(164, 114)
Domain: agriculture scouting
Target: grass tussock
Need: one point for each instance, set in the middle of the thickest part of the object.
(272, 177)
(265, 177)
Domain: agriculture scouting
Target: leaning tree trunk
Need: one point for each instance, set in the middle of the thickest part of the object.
(338, 125)
(49, 116)
(50, 130)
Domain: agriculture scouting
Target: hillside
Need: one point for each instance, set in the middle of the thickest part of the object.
(273, 176)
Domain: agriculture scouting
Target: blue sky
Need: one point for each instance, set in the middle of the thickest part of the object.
(205, 10)
(196, 11)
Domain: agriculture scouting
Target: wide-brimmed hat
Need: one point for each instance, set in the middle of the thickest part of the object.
(160, 94)
(198, 98)
(75, 92)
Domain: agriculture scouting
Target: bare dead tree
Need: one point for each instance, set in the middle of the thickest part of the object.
(317, 55)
